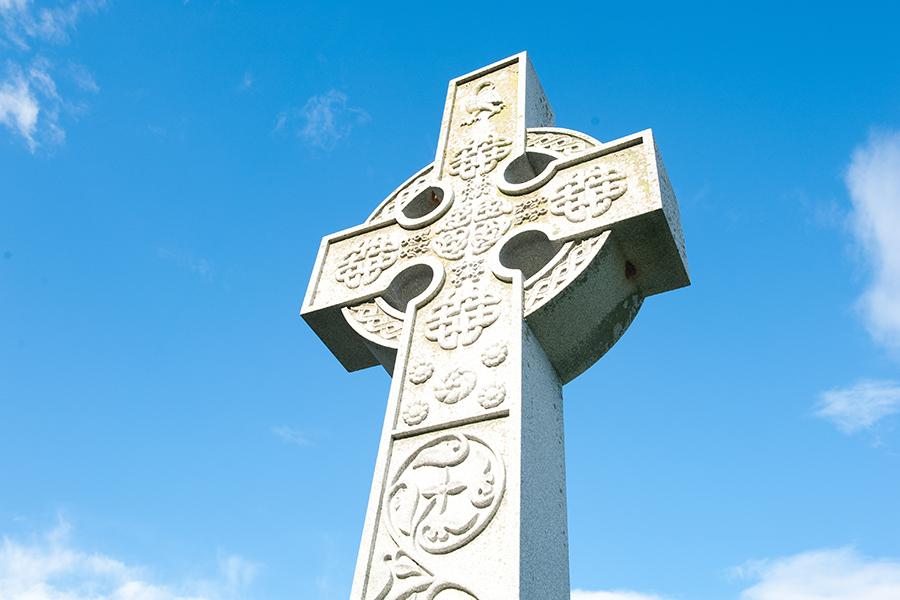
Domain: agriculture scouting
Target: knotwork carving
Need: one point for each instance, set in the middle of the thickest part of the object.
(563, 272)
(560, 142)
(475, 188)
(374, 320)
(366, 260)
(461, 318)
(468, 271)
(589, 193)
(444, 494)
(530, 210)
(456, 231)
(479, 157)
(415, 245)
(487, 233)
(491, 207)
(451, 244)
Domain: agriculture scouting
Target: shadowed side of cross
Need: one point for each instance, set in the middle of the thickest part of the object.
(490, 278)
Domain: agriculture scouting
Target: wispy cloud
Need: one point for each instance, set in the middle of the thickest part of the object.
(324, 120)
(830, 574)
(860, 406)
(291, 435)
(50, 567)
(613, 595)
(31, 105)
(873, 180)
(246, 82)
(199, 265)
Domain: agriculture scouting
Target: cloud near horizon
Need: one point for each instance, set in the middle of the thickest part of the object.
(826, 574)
(873, 181)
(50, 567)
(613, 595)
(830, 574)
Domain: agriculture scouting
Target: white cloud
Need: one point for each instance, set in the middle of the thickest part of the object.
(23, 23)
(324, 120)
(861, 406)
(831, 574)
(30, 102)
(19, 108)
(873, 180)
(613, 595)
(49, 567)
(291, 436)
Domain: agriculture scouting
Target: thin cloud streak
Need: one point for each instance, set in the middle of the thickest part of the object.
(291, 436)
(860, 406)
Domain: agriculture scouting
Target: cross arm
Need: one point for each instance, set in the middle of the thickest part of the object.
(620, 186)
(353, 266)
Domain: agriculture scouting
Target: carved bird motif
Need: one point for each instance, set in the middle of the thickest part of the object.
(483, 104)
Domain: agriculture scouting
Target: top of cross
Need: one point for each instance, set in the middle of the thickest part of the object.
(506, 190)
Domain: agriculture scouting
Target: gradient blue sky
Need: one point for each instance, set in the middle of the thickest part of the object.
(171, 429)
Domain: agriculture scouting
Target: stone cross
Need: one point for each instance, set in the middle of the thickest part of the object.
(485, 282)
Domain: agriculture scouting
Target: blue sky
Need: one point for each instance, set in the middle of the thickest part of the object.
(171, 429)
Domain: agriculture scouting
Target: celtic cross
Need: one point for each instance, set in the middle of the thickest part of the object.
(485, 282)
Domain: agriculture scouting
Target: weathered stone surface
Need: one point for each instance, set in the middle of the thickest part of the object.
(482, 284)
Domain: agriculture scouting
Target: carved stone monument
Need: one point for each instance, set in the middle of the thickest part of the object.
(484, 283)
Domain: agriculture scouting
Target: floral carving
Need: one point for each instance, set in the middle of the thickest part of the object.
(415, 413)
(492, 395)
(495, 354)
(420, 372)
(457, 384)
